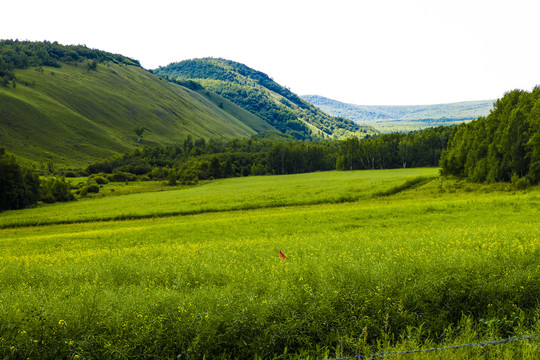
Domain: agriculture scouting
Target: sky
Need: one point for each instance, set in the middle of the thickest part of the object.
(366, 52)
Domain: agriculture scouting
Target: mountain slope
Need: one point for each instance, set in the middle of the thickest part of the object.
(81, 111)
(404, 117)
(259, 94)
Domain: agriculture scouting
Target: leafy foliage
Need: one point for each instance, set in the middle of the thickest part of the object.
(259, 94)
(19, 186)
(16, 54)
(502, 146)
(415, 149)
(55, 190)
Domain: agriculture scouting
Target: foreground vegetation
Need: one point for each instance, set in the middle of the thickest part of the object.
(405, 264)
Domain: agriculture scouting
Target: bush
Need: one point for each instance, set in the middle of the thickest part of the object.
(100, 180)
(520, 183)
(93, 188)
(55, 190)
(258, 169)
(119, 176)
(159, 173)
(172, 177)
(84, 191)
(70, 174)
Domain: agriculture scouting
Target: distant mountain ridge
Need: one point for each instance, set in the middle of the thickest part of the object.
(409, 117)
(259, 94)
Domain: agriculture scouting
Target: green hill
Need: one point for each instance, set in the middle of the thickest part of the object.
(73, 105)
(259, 94)
(404, 117)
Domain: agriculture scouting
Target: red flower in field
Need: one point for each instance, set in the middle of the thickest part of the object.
(282, 255)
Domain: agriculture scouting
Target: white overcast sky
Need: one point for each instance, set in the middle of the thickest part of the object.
(376, 52)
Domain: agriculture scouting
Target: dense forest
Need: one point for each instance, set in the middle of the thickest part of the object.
(415, 149)
(504, 146)
(198, 159)
(16, 54)
(260, 95)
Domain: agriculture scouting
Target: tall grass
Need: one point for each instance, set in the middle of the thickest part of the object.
(382, 274)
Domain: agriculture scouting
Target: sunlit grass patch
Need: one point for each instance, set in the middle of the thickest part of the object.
(415, 270)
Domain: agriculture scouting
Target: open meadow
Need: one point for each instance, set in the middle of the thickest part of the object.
(383, 260)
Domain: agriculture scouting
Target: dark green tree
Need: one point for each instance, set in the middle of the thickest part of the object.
(19, 186)
(215, 168)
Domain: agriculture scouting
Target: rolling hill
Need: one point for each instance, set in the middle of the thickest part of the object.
(404, 117)
(259, 94)
(73, 105)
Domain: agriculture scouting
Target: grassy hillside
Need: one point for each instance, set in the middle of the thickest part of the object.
(74, 114)
(251, 120)
(259, 94)
(404, 117)
(406, 268)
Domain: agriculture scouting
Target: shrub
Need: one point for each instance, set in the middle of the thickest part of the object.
(93, 188)
(119, 176)
(258, 169)
(520, 183)
(84, 191)
(172, 177)
(100, 180)
(55, 190)
(159, 173)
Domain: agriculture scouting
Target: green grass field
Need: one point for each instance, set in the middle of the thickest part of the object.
(376, 261)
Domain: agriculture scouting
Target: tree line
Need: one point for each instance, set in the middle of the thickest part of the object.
(415, 149)
(16, 54)
(501, 147)
(199, 159)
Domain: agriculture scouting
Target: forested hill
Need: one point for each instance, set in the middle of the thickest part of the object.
(72, 105)
(404, 117)
(259, 94)
(504, 146)
(16, 54)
